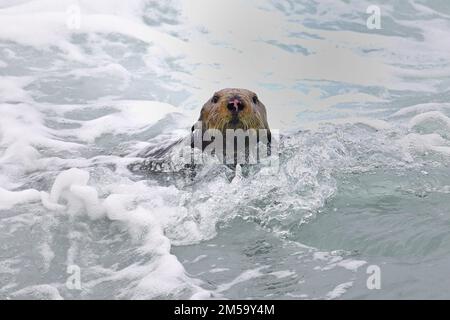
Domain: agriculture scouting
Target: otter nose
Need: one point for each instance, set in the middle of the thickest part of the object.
(235, 105)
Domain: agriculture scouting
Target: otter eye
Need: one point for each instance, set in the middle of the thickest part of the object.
(215, 99)
(255, 99)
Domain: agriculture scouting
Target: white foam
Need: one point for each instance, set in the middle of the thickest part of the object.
(282, 274)
(333, 259)
(217, 270)
(244, 276)
(420, 108)
(430, 116)
(376, 124)
(165, 275)
(12, 88)
(425, 142)
(132, 116)
(339, 290)
(200, 257)
(351, 265)
(300, 296)
(38, 292)
(47, 254)
(108, 71)
(66, 179)
(50, 25)
(89, 197)
(23, 136)
(8, 199)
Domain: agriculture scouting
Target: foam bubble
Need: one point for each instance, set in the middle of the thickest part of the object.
(8, 199)
(339, 290)
(38, 292)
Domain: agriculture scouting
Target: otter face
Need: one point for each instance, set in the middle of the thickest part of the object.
(234, 109)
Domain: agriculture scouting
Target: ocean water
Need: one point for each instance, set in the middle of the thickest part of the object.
(358, 209)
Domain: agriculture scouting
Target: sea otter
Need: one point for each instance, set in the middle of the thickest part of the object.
(228, 114)
(234, 109)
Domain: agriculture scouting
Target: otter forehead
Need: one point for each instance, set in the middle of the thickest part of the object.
(235, 91)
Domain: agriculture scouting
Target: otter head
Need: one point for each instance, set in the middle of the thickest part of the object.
(234, 109)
